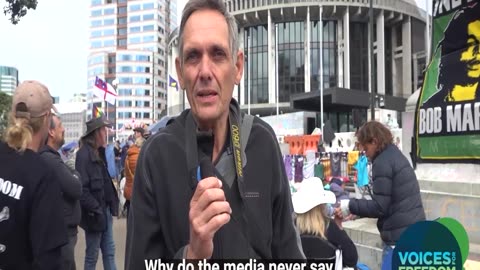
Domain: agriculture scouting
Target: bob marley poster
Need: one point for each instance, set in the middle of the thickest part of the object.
(448, 111)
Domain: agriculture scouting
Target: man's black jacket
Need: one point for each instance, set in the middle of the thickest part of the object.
(70, 184)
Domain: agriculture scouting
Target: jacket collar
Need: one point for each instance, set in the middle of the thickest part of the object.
(48, 148)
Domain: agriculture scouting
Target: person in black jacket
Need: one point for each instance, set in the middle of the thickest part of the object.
(99, 200)
(241, 208)
(70, 185)
(310, 204)
(32, 227)
(396, 200)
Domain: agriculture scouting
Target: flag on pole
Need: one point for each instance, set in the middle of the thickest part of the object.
(97, 112)
(104, 91)
(172, 82)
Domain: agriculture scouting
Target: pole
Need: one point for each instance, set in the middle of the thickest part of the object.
(153, 89)
(105, 106)
(277, 100)
(372, 58)
(321, 71)
(427, 34)
(249, 58)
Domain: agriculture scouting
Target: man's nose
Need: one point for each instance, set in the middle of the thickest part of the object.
(205, 71)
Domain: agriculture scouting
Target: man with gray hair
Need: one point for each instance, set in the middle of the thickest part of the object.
(212, 183)
(70, 185)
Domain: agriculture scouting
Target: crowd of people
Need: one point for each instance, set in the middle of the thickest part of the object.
(212, 177)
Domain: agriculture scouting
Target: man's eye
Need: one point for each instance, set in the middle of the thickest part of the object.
(219, 54)
(191, 56)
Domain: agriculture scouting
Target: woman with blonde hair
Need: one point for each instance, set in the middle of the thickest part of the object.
(130, 165)
(315, 225)
(32, 229)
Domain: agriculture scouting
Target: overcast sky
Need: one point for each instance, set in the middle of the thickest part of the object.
(50, 44)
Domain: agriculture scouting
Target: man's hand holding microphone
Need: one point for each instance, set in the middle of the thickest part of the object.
(209, 211)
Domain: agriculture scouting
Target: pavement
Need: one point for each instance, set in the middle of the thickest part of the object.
(119, 236)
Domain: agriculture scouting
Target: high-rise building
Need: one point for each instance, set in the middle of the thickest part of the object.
(8, 79)
(127, 49)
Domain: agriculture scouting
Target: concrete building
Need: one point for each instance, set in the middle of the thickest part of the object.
(73, 115)
(8, 79)
(79, 97)
(282, 41)
(127, 49)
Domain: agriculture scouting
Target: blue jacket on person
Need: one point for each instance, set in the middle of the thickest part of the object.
(110, 156)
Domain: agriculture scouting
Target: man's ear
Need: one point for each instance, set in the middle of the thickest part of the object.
(239, 67)
(178, 67)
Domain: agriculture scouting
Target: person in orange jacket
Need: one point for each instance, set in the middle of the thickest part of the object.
(130, 164)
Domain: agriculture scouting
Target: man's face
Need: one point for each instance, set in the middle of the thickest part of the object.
(370, 149)
(472, 53)
(57, 134)
(207, 70)
(138, 134)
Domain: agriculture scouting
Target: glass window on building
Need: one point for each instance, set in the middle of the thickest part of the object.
(147, 17)
(108, 21)
(96, 33)
(108, 32)
(122, 42)
(134, 29)
(148, 27)
(148, 38)
(135, 18)
(146, 115)
(95, 13)
(257, 77)
(124, 80)
(122, 10)
(125, 92)
(122, 20)
(290, 69)
(359, 56)
(96, 44)
(96, 23)
(109, 43)
(148, 6)
(134, 40)
(122, 31)
(96, 2)
(142, 58)
(135, 7)
(108, 11)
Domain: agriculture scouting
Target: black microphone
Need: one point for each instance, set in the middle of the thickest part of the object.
(206, 168)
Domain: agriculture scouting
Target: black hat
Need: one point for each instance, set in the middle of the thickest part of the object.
(96, 123)
(139, 129)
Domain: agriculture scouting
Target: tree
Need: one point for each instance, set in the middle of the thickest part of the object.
(5, 106)
(18, 8)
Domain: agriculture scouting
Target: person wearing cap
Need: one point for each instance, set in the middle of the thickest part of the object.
(99, 200)
(138, 132)
(70, 185)
(32, 227)
(310, 204)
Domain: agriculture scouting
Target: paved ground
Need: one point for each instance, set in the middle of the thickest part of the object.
(119, 235)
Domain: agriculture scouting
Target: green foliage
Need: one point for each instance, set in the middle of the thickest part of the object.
(16, 9)
(5, 106)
